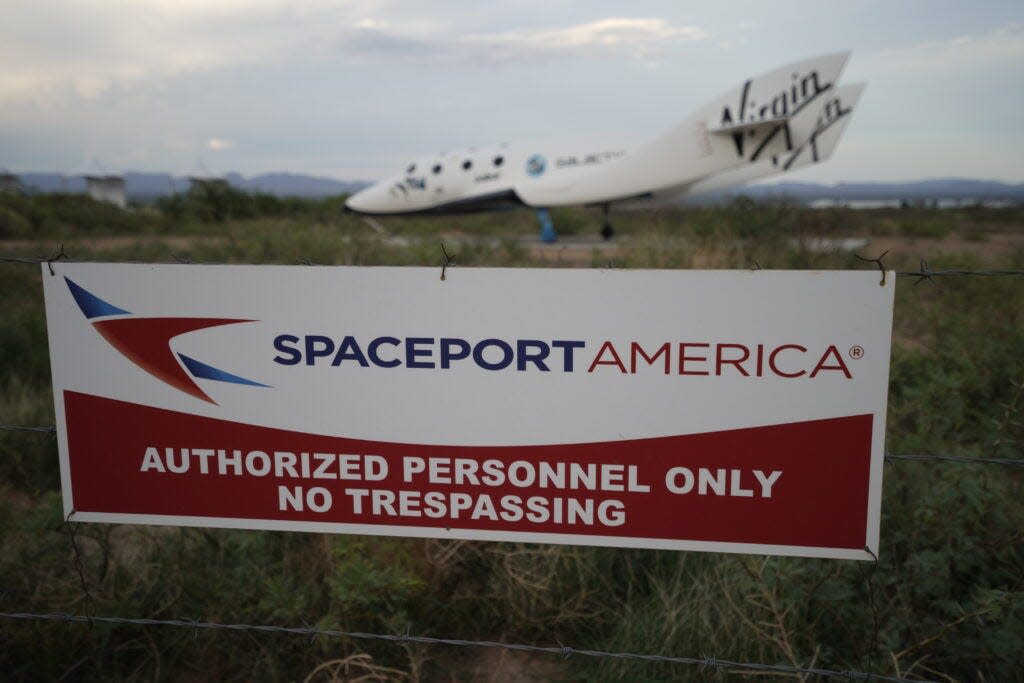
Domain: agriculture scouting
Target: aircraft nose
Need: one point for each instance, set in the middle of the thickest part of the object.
(373, 199)
(357, 202)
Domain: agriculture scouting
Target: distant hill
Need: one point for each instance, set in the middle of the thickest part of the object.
(941, 188)
(294, 185)
(149, 186)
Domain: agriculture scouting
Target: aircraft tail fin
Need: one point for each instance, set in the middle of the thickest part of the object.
(772, 113)
(829, 125)
(763, 117)
(830, 118)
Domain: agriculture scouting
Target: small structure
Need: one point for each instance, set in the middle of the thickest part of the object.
(10, 183)
(102, 185)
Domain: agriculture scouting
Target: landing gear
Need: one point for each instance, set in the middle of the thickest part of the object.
(607, 231)
(547, 227)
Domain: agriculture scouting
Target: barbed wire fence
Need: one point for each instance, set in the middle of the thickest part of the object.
(924, 271)
(705, 663)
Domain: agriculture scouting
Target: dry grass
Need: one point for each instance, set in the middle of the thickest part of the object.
(946, 601)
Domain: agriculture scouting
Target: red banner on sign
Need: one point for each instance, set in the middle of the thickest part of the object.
(800, 484)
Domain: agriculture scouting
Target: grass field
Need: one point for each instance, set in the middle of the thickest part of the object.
(945, 602)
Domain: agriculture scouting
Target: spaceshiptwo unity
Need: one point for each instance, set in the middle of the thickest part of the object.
(784, 119)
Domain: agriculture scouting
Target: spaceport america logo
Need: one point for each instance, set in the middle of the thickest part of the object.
(146, 342)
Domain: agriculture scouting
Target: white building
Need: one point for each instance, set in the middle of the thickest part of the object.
(102, 185)
(9, 182)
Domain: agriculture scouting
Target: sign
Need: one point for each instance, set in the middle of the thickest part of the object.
(732, 411)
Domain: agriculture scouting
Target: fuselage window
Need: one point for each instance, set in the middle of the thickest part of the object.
(466, 165)
(436, 169)
(499, 160)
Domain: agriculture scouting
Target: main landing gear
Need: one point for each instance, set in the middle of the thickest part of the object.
(547, 226)
(607, 231)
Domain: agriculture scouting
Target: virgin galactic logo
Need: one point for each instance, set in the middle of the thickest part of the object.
(535, 165)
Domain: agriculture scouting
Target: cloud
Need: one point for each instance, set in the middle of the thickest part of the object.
(633, 38)
(1000, 47)
(219, 144)
(638, 38)
(963, 87)
(84, 48)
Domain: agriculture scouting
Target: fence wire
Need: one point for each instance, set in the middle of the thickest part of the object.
(564, 651)
(924, 272)
(43, 429)
(1012, 462)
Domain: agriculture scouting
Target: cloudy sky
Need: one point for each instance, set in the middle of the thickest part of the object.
(354, 89)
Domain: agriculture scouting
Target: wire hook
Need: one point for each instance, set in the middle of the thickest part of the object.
(881, 266)
(449, 260)
(56, 257)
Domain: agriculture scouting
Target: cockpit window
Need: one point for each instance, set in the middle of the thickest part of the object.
(436, 169)
(466, 165)
(499, 160)
(411, 168)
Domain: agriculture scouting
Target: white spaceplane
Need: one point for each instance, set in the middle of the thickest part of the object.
(782, 120)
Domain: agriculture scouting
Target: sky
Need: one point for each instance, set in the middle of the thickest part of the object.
(354, 90)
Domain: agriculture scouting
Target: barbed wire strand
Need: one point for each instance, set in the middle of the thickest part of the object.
(948, 273)
(43, 429)
(924, 271)
(1011, 462)
(561, 650)
(76, 562)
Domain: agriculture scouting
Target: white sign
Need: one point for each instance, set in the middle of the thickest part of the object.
(735, 411)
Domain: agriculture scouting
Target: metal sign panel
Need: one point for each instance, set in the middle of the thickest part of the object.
(728, 411)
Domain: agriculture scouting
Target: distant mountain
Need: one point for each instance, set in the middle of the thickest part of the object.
(149, 186)
(921, 190)
(294, 185)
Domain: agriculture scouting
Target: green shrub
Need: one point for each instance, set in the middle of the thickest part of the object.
(945, 601)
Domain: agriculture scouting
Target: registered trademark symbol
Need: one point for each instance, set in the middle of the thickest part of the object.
(856, 352)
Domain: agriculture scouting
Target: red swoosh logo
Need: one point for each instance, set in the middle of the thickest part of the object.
(146, 342)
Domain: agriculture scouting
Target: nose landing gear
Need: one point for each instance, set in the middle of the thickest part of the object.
(547, 227)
